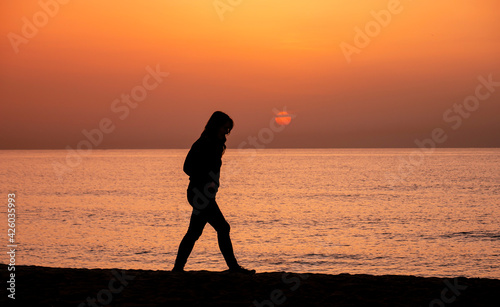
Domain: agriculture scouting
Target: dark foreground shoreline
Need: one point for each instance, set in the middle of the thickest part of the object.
(42, 286)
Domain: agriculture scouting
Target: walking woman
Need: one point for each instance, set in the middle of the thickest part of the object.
(202, 164)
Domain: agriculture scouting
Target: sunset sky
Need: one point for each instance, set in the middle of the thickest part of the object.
(249, 58)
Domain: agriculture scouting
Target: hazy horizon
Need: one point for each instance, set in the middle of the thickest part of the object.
(250, 148)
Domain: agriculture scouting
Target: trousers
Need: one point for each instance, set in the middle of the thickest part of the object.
(209, 212)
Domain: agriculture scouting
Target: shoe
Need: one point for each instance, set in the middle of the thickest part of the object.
(177, 270)
(241, 270)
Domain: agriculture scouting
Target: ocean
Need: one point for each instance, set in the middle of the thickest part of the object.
(357, 211)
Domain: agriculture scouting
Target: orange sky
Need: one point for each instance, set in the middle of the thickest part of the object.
(259, 56)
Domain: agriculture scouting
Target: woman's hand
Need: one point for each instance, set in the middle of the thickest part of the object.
(211, 189)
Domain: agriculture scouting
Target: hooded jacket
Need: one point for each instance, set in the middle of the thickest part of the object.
(203, 161)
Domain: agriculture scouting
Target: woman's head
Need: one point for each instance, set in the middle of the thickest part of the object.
(218, 126)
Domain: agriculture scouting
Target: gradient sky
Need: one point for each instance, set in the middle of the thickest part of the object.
(260, 56)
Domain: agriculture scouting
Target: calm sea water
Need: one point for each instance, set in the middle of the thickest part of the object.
(302, 210)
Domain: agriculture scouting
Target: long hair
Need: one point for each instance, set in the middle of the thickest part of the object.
(216, 121)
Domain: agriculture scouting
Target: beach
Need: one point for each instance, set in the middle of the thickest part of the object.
(46, 286)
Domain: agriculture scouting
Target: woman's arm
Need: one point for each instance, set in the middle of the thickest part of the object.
(203, 162)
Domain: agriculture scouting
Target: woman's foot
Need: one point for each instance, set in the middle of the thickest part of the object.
(175, 269)
(241, 270)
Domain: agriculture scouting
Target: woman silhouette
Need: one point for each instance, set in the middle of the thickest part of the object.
(202, 164)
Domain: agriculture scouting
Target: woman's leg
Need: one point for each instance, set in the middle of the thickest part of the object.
(196, 225)
(219, 223)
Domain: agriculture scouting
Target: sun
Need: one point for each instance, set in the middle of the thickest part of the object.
(283, 118)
